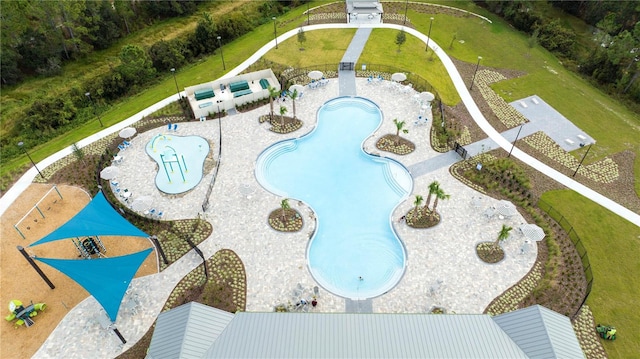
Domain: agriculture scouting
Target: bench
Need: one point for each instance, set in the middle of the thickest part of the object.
(206, 104)
(582, 137)
(264, 83)
(242, 93)
(534, 100)
(203, 94)
(523, 104)
(569, 141)
(238, 86)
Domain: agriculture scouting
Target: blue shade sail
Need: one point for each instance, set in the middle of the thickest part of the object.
(97, 218)
(106, 279)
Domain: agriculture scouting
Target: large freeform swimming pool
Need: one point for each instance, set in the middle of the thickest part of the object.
(354, 252)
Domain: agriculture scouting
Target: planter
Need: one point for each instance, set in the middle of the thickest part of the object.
(489, 252)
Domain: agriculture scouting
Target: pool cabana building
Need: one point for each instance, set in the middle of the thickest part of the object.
(226, 93)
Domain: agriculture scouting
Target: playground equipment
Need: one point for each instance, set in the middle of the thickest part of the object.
(606, 331)
(45, 203)
(89, 246)
(22, 313)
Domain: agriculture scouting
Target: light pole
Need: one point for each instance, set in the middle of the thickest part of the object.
(429, 35)
(406, 5)
(224, 67)
(275, 35)
(20, 144)
(474, 73)
(582, 160)
(514, 141)
(88, 94)
(173, 71)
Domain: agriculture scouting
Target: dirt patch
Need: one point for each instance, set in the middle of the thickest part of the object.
(20, 281)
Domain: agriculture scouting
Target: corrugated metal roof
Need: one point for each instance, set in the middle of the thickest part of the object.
(352, 335)
(187, 331)
(541, 332)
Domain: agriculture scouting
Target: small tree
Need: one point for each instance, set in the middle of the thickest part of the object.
(293, 95)
(285, 206)
(399, 127)
(401, 38)
(78, 152)
(439, 195)
(417, 202)
(283, 110)
(273, 94)
(503, 234)
(301, 38)
(433, 188)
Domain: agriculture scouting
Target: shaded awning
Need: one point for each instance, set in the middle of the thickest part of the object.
(106, 279)
(97, 218)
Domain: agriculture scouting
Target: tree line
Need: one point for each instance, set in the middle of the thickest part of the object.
(49, 115)
(613, 59)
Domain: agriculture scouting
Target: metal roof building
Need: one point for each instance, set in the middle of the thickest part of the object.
(349, 335)
(540, 332)
(187, 331)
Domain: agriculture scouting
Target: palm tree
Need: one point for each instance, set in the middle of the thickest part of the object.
(433, 188)
(285, 206)
(439, 195)
(273, 94)
(503, 234)
(399, 127)
(417, 203)
(293, 96)
(283, 110)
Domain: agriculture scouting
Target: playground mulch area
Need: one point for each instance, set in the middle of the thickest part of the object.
(20, 281)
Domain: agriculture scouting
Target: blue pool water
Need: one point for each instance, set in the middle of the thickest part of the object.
(180, 161)
(354, 252)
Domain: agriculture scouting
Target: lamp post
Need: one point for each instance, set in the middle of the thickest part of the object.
(173, 71)
(474, 73)
(429, 35)
(514, 141)
(275, 35)
(88, 94)
(582, 160)
(406, 5)
(224, 67)
(20, 144)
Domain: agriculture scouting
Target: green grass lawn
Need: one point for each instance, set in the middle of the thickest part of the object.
(321, 47)
(613, 246)
(412, 57)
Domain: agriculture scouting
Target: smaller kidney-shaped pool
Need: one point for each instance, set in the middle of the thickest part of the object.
(180, 161)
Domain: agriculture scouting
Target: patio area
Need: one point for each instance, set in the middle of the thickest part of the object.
(442, 267)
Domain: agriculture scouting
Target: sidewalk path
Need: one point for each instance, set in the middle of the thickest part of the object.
(347, 78)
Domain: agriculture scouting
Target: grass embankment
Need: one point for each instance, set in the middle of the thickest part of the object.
(614, 127)
(77, 72)
(613, 246)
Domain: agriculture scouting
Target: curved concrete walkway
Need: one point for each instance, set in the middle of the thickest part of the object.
(157, 288)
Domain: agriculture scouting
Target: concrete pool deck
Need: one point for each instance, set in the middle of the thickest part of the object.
(442, 268)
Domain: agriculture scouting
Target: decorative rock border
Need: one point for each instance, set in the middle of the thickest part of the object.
(508, 115)
(603, 171)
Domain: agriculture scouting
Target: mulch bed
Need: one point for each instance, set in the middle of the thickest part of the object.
(290, 221)
(395, 144)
